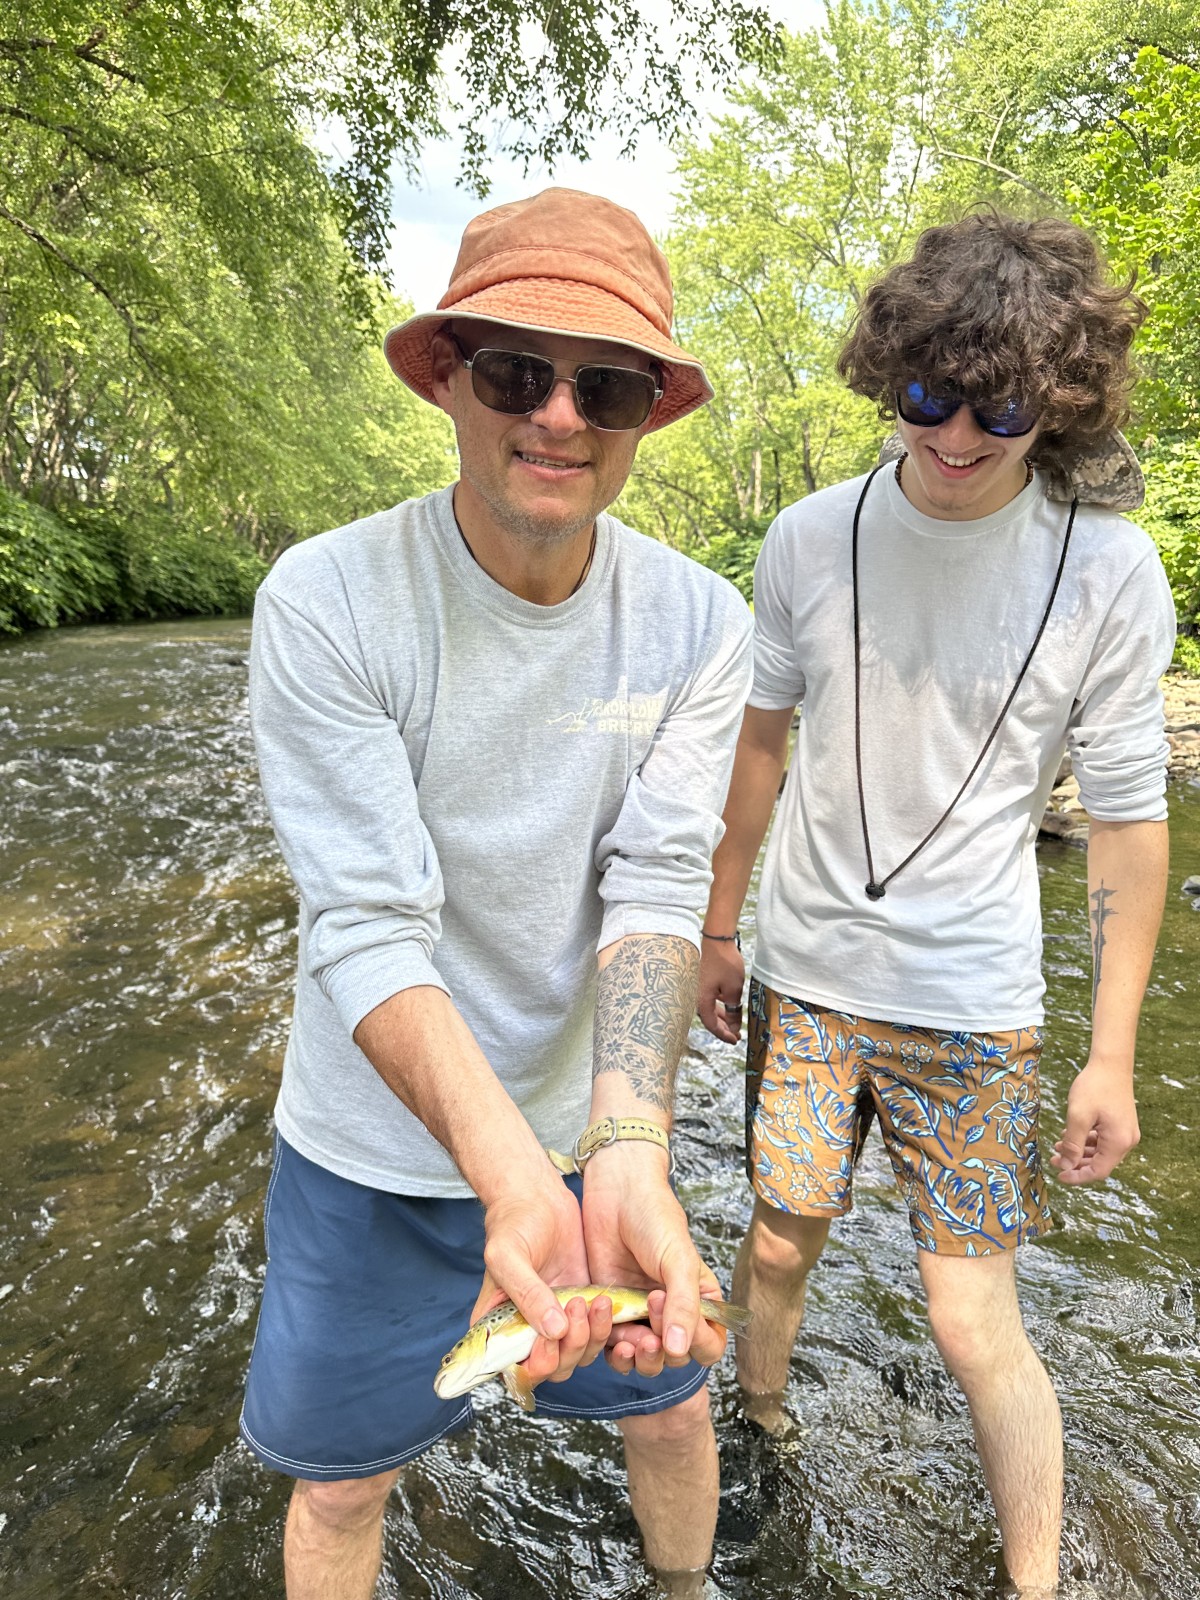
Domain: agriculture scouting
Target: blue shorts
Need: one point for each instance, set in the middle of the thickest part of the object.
(365, 1292)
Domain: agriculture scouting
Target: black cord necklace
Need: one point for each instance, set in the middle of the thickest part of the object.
(587, 565)
(876, 888)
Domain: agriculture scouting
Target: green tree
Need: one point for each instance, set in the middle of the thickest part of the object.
(1094, 111)
(785, 213)
(1031, 82)
(190, 312)
(1141, 193)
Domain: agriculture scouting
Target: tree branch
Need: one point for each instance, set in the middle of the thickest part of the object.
(1167, 55)
(992, 166)
(126, 316)
(75, 136)
(1000, 121)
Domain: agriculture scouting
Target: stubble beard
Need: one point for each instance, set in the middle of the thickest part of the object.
(540, 534)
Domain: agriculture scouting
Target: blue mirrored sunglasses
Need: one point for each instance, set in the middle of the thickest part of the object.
(915, 404)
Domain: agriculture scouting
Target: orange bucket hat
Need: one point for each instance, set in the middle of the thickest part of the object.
(561, 262)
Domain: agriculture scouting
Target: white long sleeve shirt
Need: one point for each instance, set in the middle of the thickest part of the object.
(948, 612)
(477, 793)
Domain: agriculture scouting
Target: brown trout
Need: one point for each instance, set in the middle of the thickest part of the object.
(502, 1338)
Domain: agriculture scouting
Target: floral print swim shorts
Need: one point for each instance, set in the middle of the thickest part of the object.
(958, 1113)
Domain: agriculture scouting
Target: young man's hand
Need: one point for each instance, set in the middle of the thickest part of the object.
(722, 979)
(1102, 1124)
(637, 1237)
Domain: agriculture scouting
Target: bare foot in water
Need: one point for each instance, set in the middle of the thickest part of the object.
(687, 1583)
(768, 1412)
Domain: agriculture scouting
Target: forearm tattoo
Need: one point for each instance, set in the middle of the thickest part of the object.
(1101, 911)
(644, 1002)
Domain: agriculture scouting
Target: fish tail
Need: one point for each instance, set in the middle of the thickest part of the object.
(726, 1315)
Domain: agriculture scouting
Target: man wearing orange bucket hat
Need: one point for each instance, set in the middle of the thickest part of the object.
(495, 729)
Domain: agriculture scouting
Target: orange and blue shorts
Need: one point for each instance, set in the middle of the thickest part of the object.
(958, 1113)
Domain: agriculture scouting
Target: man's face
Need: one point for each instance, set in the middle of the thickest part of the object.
(541, 478)
(957, 472)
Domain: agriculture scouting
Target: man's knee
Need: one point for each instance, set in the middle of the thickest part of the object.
(345, 1505)
(784, 1247)
(675, 1428)
(976, 1323)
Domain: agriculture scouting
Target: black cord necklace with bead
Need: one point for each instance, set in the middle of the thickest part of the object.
(877, 887)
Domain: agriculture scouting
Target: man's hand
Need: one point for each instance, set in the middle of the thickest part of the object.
(722, 978)
(637, 1236)
(533, 1241)
(1102, 1124)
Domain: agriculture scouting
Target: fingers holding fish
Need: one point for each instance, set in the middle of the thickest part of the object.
(639, 1232)
(501, 1342)
(638, 1348)
(600, 1328)
(686, 1335)
(588, 1330)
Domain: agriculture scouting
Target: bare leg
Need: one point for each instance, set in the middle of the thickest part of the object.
(671, 1458)
(1018, 1431)
(333, 1542)
(770, 1277)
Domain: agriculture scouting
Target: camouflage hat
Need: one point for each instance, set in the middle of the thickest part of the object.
(1103, 473)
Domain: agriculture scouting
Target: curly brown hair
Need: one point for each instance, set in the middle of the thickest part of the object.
(995, 307)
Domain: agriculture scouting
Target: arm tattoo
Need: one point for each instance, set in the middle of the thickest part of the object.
(644, 1003)
(1101, 911)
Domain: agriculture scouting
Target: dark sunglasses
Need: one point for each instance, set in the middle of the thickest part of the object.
(917, 405)
(516, 384)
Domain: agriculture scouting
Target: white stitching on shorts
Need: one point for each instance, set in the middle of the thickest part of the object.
(357, 1469)
(266, 1248)
(655, 1401)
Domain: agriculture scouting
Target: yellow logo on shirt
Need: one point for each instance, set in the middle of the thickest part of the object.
(638, 714)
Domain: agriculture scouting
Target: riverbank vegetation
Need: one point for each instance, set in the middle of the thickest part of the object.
(194, 211)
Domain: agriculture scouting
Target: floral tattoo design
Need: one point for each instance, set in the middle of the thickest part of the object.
(644, 1003)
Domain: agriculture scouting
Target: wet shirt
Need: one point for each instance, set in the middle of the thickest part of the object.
(948, 612)
(477, 793)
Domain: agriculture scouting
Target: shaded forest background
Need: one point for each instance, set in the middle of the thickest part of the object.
(192, 298)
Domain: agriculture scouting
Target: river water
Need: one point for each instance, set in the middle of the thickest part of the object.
(146, 948)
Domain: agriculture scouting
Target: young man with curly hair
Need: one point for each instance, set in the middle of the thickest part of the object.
(950, 624)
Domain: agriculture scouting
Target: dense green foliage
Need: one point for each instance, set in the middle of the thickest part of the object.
(783, 214)
(86, 566)
(892, 115)
(190, 312)
(189, 309)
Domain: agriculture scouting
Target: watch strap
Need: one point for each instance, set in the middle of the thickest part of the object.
(608, 1130)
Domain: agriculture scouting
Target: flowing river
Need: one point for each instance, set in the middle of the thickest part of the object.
(146, 950)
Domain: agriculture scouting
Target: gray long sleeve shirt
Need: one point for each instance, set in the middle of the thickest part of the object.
(478, 793)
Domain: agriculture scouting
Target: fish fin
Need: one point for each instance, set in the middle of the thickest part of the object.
(726, 1315)
(518, 1385)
